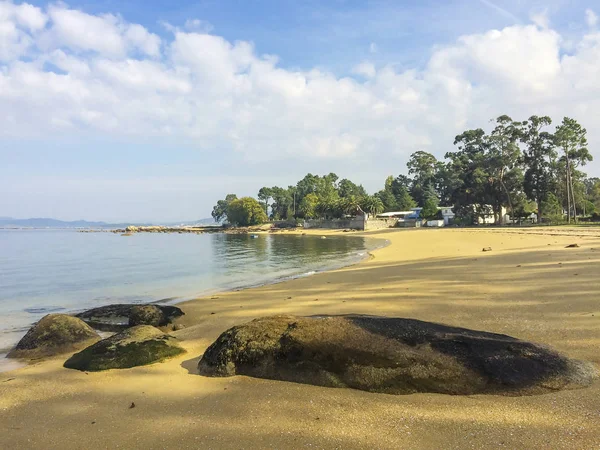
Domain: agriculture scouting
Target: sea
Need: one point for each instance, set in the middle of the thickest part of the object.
(50, 271)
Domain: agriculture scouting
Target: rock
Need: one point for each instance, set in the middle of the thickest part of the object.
(572, 246)
(55, 334)
(486, 249)
(136, 346)
(146, 315)
(390, 355)
(132, 229)
(127, 234)
(116, 317)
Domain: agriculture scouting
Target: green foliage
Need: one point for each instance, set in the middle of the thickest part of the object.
(552, 210)
(264, 194)
(430, 208)
(219, 211)
(423, 168)
(246, 211)
(308, 206)
(515, 167)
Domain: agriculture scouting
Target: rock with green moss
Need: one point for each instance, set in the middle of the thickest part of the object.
(55, 334)
(117, 317)
(146, 315)
(136, 346)
(391, 355)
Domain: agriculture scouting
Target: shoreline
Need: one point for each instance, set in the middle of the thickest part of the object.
(529, 286)
(348, 260)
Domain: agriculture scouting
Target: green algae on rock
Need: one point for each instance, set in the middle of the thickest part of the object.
(146, 315)
(136, 346)
(55, 334)
(390, 355)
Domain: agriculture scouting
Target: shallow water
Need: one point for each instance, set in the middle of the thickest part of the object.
(43, 271)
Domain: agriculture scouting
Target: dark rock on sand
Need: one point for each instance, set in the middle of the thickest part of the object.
(146, 315)
(486, 249)
(572, 246)
(136, 346)
(117, 317)
(390, 355)
(55, 334)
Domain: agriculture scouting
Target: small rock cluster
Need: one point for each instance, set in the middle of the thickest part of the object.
(137, 342)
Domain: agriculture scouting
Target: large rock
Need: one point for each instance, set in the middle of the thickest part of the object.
(55, 334)
(146, 315)
(136, 346)
(117, 317)
(391, 355)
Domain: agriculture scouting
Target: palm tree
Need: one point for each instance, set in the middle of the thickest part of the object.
(373, 205)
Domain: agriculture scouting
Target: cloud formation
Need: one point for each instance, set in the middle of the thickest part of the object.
(63, 70)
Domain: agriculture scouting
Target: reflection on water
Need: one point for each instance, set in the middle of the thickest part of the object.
(44, 271)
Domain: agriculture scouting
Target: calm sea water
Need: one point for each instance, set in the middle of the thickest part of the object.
(43, 271)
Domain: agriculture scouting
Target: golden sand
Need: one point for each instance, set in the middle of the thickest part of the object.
(529, 286)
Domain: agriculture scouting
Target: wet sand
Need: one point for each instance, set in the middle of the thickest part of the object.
(529, 286)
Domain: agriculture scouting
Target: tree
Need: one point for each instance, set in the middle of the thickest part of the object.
(219, 211)
(373, 205)
(430, 208)
(503, 158)
(347, 188)
(570, 137)
(552, 208)
(403, 200)
(470, 165)
(264, 194)
(308, 206)
(423, 167)
(400, 189)
(246, 211)
(387, 196)
(350, 205)
(282, 206)
(522, 207)
(538, 156)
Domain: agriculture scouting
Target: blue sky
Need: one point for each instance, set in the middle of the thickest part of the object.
(150, 111)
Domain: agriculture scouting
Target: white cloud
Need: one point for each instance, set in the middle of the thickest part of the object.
(107, 34)
(591, 18)
(541, 19)
(366, 69)
(117, 78)
(198, 25)
(373, 48)
(18, 25)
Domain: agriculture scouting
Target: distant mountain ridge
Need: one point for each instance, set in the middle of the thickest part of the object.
(9, 222)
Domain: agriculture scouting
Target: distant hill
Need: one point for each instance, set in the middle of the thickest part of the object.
(9, 222)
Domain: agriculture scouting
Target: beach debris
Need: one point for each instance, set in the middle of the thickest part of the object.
(486, 249)
(53, 335)
(390, 355)
(116, 317)
(572, 246)
(136, 346)
(323, 237)
(8, 379)
(519, 265)
(132, 405)
(178, 327)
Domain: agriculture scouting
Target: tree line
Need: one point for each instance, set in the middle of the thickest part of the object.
(524, 167)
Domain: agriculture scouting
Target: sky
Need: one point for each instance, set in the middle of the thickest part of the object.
(149, 111)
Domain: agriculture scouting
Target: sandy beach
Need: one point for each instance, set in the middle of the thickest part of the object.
(529, 286)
